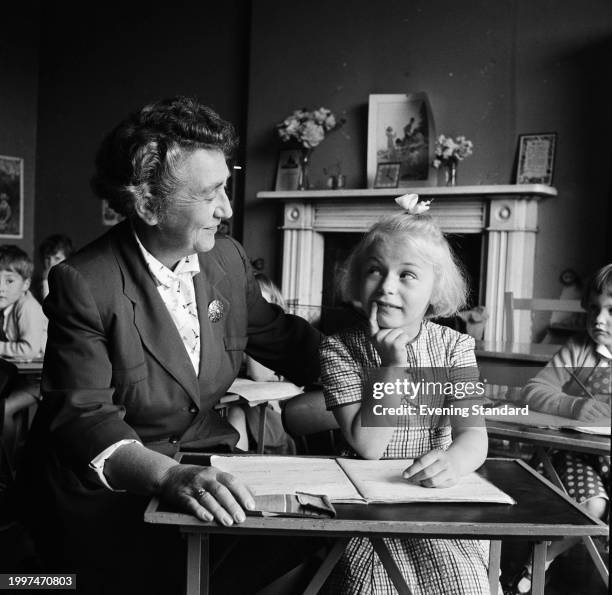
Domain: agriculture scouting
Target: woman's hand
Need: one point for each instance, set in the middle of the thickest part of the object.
(434, 469)
(207, 493)
(389, 342)
(589, 409)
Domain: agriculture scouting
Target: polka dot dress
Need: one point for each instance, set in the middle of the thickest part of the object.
(587, 476)
(584, 476)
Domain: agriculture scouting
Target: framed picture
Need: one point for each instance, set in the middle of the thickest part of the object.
(109, 216)
(288, 169)
(11, 197)
(536, 158)
(401, 130)
(387, 175)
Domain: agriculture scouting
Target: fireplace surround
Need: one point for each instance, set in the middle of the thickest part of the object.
(505, 215)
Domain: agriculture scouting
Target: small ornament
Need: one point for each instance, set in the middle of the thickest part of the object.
(215, 311)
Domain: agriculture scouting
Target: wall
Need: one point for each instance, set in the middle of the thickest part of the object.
(492, 70)
(18, 100)
(95, 69)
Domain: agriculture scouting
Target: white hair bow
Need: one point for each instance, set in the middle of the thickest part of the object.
(410, 203)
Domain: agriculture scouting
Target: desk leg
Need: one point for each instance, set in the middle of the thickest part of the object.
(588, 541)
(494, 565)
(538, 572)
(197, 564)
(390, 566)
(263, 411)
(597, 560)
(315, 584)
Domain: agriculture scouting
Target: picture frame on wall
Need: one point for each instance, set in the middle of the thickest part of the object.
(110, 217)
(387, 175)
(11, 197)
(401, 130)
(288, 169)
(536, 158)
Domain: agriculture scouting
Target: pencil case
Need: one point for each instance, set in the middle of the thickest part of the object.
(299, 504)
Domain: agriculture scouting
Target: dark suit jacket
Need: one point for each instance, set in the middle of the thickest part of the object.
(115, 366)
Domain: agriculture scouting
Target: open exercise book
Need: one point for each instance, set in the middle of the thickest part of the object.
(351, 480)
(537, 419)
(255, 393)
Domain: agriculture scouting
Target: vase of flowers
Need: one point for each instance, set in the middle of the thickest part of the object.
(448, 153)
(308, 128)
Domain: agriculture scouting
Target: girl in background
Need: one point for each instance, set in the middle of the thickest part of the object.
(588, 355)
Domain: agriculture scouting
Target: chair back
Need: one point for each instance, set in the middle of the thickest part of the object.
(511, 304)
(305, 417)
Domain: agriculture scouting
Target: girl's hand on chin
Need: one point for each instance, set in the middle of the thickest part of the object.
(389, 342)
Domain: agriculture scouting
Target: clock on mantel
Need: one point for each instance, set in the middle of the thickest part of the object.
(525, 191)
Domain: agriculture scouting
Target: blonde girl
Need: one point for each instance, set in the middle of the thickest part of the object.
(403, 274)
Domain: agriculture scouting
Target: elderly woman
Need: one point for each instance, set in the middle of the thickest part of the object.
(148, 325)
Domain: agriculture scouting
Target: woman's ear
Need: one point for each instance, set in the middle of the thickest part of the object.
(142, 207)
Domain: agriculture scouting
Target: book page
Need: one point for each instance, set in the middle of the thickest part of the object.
(260, 392)
(382, 482)
(287, 475)
(597, 430)
(537, 419)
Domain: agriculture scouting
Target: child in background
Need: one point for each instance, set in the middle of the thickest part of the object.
(23, 328)
(403, 273)
(53, 250)
(246, 419)
(586, 477)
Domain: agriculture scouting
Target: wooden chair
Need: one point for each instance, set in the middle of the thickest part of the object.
(310, 424)
(511, 304)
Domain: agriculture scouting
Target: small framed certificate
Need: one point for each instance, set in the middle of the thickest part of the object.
(536, 158)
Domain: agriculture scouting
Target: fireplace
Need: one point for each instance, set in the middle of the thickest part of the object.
(500, 219)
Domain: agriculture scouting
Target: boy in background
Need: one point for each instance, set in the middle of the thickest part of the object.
(23, 329)
(53, 250)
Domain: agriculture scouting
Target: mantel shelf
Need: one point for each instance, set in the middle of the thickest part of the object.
(490, 191)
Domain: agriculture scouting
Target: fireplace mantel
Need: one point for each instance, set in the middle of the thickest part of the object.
(506, 215)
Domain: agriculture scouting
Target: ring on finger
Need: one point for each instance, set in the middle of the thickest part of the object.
(200, 493)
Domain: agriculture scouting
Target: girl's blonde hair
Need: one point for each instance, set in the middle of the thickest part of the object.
(450, 289)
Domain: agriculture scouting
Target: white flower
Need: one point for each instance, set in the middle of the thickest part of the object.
(410, 203)
(311, 134)
(308, 128)
(448, 149)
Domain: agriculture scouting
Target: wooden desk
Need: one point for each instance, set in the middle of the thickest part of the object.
(542, 513)
(550, 438)
(546, 440)
(522, 354)
(511, 364)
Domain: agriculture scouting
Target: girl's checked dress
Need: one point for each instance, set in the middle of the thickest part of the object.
(429, 566)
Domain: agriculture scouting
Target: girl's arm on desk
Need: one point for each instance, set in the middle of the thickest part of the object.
(468, 451)
(544, 392)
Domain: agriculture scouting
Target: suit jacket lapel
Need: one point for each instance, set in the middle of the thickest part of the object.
(151, 317)
(211, 333)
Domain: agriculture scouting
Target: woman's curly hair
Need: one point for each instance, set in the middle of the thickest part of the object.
(138, 160)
